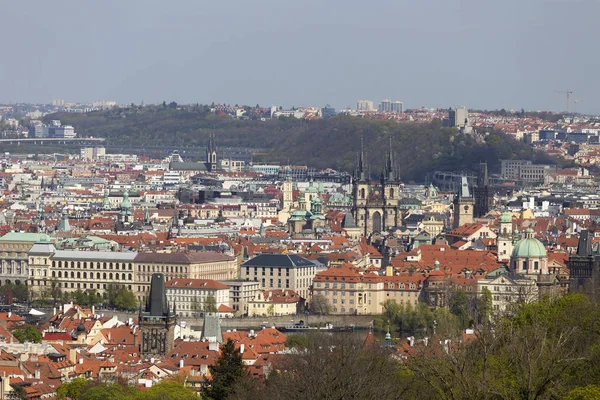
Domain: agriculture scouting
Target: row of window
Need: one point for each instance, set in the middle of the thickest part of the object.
(84, 275)
(85, 265)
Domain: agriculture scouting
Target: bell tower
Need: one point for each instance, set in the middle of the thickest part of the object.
(211, 154)
(157, 322)
(463, 205)
(360, 189)
(505, 237)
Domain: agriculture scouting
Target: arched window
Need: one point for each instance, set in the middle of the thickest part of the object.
(72, 274)
(78, 275)
(53, 264)
(59, 274)
(391, 193)
(53, 274)
(78, 264)
(85, 275)
(129, 277)
(104, 265)
(97, 275)
(110, 276)
(123, 276)
(104, 275)
(362, 193)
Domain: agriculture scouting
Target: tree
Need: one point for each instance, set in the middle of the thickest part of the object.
(55, 292)
(73, 389)
(196, 306)
(295, 340)
(271, 310)
(227, 370)
(121, 298)
(319, 305)
(17, 393)
(337, 367)
(27, 333)
(167, 390)
(210, 304)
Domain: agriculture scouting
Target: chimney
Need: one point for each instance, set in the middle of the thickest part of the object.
(181, 363)
(93, 310)
(213, 345)
(152, 360)
(81, 360)
(9, 314)
(54, 311)
(37, 373)
(242, 348)
(251, 332)
(135, 338)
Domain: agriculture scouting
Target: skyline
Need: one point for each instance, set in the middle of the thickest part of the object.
(432, 54)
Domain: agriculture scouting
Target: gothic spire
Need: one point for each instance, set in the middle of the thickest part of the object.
(361, 173)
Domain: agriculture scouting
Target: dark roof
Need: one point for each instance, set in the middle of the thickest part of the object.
(279, 261)
(187, 166)
(348, 221)
(157, 301)
(191, 257)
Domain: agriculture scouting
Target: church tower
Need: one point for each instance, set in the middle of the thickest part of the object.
(360, 189)
(463, 205)
(157, 322)
(505, 238)
(484, 196)
(211, 154)
(390, 188)
(288, 198)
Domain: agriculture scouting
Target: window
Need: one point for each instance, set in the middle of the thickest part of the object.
(536, 265)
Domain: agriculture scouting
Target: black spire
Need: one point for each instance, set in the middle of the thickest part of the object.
(157, 305)
(390, 170)
(361, 173)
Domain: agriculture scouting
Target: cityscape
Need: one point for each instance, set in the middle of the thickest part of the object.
(272, 200)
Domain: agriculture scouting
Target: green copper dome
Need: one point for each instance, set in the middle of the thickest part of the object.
(529, 247)
(505, 217)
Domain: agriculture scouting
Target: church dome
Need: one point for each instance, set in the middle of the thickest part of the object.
(505, 217)
(529, 247)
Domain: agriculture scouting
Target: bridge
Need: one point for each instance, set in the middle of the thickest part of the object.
(40, 141)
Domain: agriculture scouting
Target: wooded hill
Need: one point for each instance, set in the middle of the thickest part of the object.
(332, 142)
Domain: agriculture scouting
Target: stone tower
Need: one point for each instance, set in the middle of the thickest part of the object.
(505, 237)
(484, 196)
(288, 199)
(463, 205)
(211, 154)
(157, 322)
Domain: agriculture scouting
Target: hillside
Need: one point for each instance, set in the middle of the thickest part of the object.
(333, 142)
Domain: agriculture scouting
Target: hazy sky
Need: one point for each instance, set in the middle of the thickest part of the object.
(436, 53)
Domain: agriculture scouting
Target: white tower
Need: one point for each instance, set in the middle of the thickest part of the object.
(505, 237)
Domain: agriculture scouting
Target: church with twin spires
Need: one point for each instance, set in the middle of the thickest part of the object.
(376, 205)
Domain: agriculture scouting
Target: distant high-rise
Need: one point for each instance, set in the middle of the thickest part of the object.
(391, 106)
(364, 105)
(458, 117)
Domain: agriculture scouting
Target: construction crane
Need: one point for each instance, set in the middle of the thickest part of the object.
(575, 101)
(568, 94)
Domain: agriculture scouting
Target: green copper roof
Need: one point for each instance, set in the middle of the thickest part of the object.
(25, 237)
(505, 217)
(529, 247)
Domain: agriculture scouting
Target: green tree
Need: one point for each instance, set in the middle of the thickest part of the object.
(73, 389)
(167, 390)
(228, 369)
(296, 340)
(590, 392)
(121, 298)
(27, 333)
(210, 304)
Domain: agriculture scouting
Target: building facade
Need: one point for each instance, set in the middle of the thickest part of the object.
(189, 295)
(281, 271)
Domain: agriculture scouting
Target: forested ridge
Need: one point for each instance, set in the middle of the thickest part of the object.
(325, 143)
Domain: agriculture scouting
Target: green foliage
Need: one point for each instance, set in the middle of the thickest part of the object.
(168, 390)
(121, 298)
(210, 304)
(73, 389)
(83, 389)
(228, 369)
(421, 148)
(27, 333)
(294, 340)
(590, 392)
